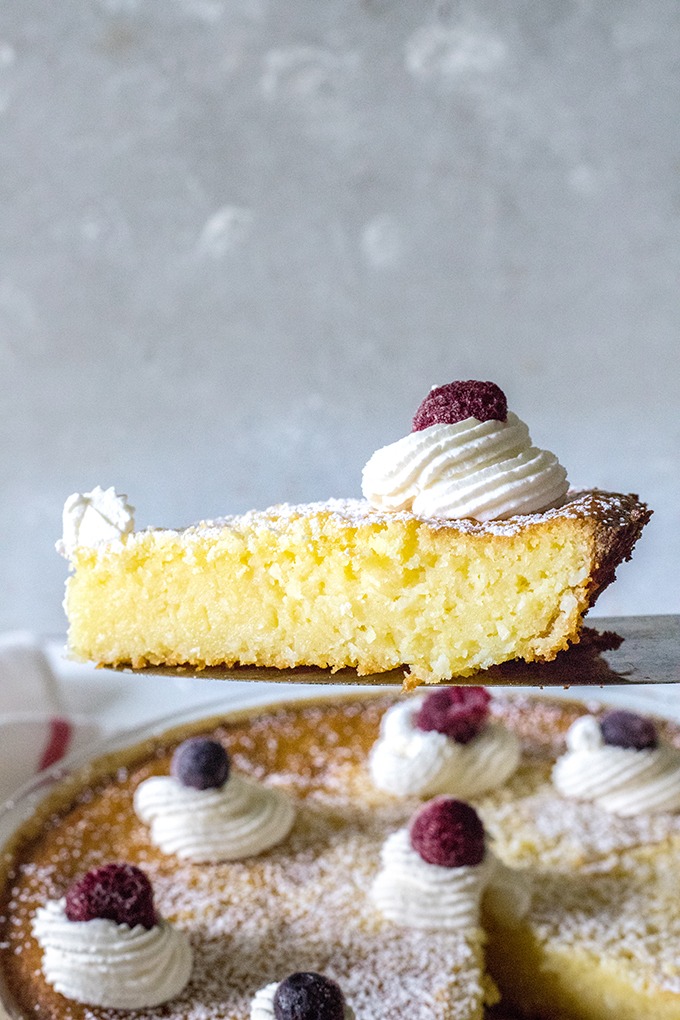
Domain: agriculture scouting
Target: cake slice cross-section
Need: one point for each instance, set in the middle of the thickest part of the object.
(345, 584)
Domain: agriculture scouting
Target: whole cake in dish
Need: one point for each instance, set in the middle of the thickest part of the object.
(395, 904)
(467, 551)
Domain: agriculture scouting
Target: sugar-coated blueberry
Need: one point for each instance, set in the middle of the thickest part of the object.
(459, 712)
(448, 832)
(456, 401)
(626, 729)
(118, 892)
(200, 763)
(308, 996)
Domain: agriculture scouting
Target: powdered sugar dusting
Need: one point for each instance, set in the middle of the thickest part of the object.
(613, 509)
(302, 906)
(630, 919)
(533, 824)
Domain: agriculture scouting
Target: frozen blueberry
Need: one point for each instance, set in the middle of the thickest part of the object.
(459, 400)
(448, 832)
(459, 712)
(626, 729)
(117, 892)
(308, 996)
(200, 763)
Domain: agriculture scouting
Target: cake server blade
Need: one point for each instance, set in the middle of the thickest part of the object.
(613, 650)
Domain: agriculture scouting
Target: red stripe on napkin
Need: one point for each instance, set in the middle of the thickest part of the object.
(58, 741)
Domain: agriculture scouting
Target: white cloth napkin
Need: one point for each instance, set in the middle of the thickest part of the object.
(35, 729)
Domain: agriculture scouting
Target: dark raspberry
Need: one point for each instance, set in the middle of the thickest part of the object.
(626, 729)
(448, 832)
(308, 996)
(200, 763)
(117, 892)
(459, 712)
(457, 401)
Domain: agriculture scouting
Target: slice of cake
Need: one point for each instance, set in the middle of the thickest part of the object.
(467, 552)
(593, 947)
(341, 584)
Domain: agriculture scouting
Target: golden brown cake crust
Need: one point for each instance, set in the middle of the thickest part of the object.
(619, 523)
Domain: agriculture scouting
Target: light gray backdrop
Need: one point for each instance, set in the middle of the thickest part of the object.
(240, 239)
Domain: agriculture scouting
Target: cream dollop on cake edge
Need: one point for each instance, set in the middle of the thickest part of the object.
(413, 893)
(406, 760)
(622, 780)
(101, 963)
(240, 819)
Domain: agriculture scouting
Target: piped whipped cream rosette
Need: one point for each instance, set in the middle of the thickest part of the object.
(104, 945)
(467, 456)
(434, 872)
(443, 743)
(205, 812)
(305, 995)
(91, 518)
(620, 764)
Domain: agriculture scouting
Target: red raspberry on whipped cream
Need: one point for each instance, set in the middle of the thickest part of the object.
(459, 712)
(457, 401)
(434, 872)
(104, 944)
(118, 892)
(443, 742)
(449, 833)
(467, 457)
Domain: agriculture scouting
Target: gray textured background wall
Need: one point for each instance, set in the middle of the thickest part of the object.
(239, 240)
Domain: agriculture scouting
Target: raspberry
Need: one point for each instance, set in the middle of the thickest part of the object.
(457, 401)
(308, 996)
(459, 712)
(200, 763)
(117, 892)
(448, 832)
(626, 729)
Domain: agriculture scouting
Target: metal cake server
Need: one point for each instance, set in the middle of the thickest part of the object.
(613, 650)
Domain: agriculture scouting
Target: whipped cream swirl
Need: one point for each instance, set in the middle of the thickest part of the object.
(416, 894)
(262, 1006)
(93, 517)
(102, 963)
(621, 780)
(485, 470)
(409, 761)
(240, 819)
